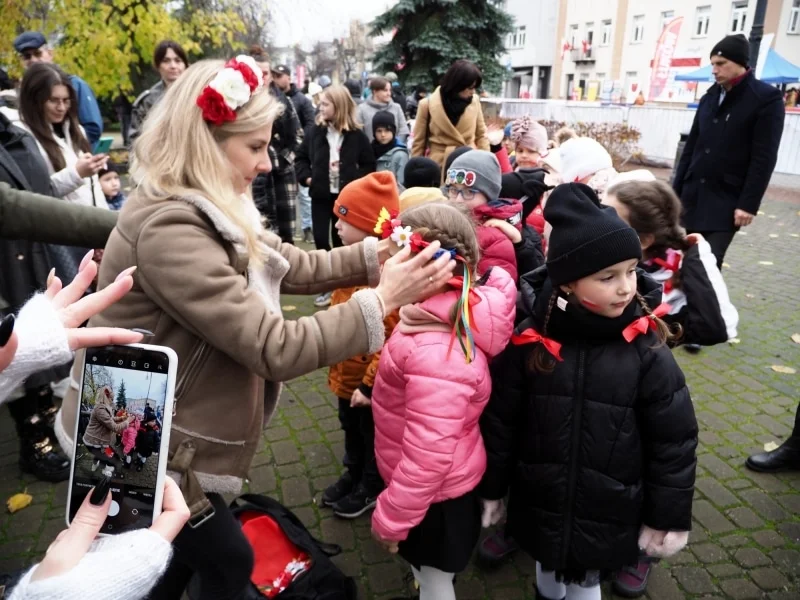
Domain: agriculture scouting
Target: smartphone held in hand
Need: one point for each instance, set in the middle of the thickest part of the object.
(122, 432)
(103, 145)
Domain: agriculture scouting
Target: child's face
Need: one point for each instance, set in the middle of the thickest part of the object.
(110, 184)
(349, 234)
(383, 135)
(509, 145)
(472, 198)
(326, 108)
(607, 292)
(527, 158)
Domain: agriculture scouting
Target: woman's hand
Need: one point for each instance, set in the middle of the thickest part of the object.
(491, 513)
(74, 308)
(406, 279)
(89, 164)
(308, 181)
(695, 238)
(73, 543)
(511, 232)
(358, 399)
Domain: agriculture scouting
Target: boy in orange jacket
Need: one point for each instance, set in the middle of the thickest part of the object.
(358, 209)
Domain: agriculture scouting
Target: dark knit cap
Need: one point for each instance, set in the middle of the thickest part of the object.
(587, 236)
(353, 86)
(385, 119)
(108, 168)
(735, 48)
(422, 171)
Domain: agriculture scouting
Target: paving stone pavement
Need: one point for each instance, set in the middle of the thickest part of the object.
(746, 537)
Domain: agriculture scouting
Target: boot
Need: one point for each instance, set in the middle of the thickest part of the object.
(308, 237)
(785, 457)
(38, 452)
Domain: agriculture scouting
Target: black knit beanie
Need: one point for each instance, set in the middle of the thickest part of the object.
(735, 48)
(422, 171)
(384, 119)
(587, 236)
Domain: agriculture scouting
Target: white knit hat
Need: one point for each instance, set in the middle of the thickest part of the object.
(582, 157)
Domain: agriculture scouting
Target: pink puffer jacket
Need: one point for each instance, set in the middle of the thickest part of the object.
(426, 407)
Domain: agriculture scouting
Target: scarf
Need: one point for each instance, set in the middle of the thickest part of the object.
(381, 149)
(454, 107)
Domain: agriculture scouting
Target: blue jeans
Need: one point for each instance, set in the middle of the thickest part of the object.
(305, 208)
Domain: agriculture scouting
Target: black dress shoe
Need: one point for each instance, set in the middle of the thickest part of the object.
(785, 457)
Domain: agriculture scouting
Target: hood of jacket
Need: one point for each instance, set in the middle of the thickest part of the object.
(500, 209)
(573, 321)
(493, 312)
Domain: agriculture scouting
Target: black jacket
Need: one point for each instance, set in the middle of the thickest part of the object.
(528, 252)
(356, 159)
(596, 448)
(303, 106)
(24, 265)
(286, 131)
(697, 295)
(730, 154)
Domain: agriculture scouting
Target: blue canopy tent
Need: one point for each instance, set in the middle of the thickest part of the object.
(776, 70)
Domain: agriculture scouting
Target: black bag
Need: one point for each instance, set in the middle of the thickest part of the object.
(323, 580)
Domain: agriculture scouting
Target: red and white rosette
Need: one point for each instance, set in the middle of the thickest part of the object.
(230, 89)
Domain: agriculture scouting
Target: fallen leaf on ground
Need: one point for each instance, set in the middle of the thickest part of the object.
(726, 266)
(770, 446)
(796, 338)
(772, 216)
(783, 369)
(742, 232)
(773, 235)
(734, 341)
(761, 212)
(18, 501)
(795, 234)
(749, 296)
(766, 263)
(289, 307)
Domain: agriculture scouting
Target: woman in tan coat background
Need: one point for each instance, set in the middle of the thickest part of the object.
(451, 116)
(208, 282)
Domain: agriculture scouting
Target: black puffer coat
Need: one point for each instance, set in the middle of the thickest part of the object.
(596, 448)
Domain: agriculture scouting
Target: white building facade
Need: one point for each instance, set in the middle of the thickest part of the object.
(619, 50)
(530, 48)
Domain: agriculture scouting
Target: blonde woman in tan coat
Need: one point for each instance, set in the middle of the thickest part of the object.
(451, 116)
(208, 284)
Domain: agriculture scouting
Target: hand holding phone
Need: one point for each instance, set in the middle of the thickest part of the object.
(130, 454)
(89, 164)
(103, 145)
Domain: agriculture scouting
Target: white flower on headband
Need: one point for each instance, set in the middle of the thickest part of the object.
(401, 235)
(251, 62)
(232, 87)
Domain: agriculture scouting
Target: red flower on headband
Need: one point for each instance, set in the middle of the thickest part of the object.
(250, 78)
(215, 110)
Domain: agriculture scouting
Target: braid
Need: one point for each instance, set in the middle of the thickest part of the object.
(453, 241)
(663, 331)
(540, 360)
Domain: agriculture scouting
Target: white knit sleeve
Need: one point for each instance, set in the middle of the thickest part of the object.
(43, 344)
(120, 567)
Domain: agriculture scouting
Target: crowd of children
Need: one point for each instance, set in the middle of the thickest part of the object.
(497, 389)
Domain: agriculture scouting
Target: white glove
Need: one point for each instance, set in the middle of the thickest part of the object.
(662, 544)
(493, 511)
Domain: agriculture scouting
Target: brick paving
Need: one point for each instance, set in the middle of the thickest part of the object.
(746, 537)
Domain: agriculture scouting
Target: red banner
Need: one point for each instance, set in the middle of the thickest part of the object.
(662, 62)
(300, 75)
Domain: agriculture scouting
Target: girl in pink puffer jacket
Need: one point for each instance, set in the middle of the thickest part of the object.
(432, 385)
(129, 440)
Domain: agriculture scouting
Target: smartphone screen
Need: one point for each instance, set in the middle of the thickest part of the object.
(123, 431)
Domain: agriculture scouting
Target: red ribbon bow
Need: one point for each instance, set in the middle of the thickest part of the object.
(671, 264)
(531, 336)
(642, 324)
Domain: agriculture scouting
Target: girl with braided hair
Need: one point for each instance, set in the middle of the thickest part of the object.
(432, 385)
(590, 425)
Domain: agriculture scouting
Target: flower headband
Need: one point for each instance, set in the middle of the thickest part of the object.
(230, 89)
(389, 226)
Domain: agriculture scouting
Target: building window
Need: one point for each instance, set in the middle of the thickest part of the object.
(573, 36)
(588, 40)
(794, 17)
(701, 18)
(638, 29)
(738, 16)
(666, 17)
(605, 36)
(522, 35)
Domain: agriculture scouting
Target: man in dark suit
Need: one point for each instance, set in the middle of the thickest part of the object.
(732, 148)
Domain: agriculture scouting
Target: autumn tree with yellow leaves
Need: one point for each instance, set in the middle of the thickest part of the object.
(110, 43)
